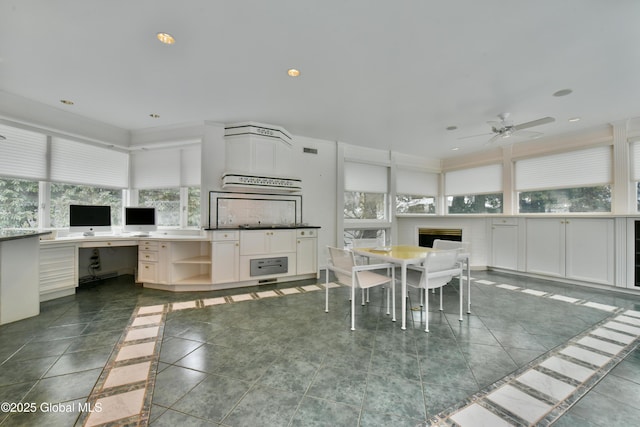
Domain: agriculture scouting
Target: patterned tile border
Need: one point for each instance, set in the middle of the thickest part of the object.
(123, 393)
(538, 393)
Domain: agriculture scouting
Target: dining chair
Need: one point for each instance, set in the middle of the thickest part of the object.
(438, 269)
(464, 257)
(362, 259)
(343, 265)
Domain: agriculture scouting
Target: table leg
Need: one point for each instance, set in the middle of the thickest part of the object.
(403, 296)
(469, 285)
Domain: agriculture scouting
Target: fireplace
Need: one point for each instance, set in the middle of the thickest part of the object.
(426, 236)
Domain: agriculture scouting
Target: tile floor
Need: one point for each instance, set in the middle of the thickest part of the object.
(532, 352)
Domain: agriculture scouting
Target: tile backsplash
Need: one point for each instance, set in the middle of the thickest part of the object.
(230, 210)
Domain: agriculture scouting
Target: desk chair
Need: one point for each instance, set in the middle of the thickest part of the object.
(342, 263)
(464, 257)
(438, 268)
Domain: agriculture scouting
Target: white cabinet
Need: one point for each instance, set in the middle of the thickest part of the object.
(261, 242)
(575, 248)
(225, 255)
(148, 262)
(180, 262)
(504, 243)
(307, 251)
(58, 270)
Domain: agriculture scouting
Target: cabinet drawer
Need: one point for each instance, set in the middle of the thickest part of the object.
(147, 272)
(504, 221)
(226, 235)
(147, 255)
(147, 245)
(307, 232)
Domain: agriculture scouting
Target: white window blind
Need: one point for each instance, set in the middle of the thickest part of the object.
(23, 154)
(635, 161)
(155, 169)
(365, 177)
(479, 180)
(78, 163)
(416, 183)
(581, 168)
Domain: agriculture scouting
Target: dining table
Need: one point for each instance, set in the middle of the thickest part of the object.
(402, 255)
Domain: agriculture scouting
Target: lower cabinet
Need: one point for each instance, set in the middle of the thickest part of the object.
(58, 270)
(575, 248)
(225, 254)
(307, 252)
(504, 244)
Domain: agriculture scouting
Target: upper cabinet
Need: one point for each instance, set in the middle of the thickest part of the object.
(258, 149)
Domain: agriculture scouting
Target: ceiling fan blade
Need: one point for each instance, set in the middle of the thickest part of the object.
(494, 138)
(533, 123)
(528, 134)
(475, 136)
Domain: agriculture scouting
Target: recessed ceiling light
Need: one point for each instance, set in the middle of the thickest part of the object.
(455, 148)
(66, 102)
(574, 119)
(452, 127)
(166, 38)
(154, 116)
(563, 92)
(292, 72)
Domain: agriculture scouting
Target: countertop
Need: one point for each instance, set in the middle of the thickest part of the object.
(6, 235)
(264, 227)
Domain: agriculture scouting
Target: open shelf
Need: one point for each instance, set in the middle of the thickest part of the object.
(203, 259)
(195, 280)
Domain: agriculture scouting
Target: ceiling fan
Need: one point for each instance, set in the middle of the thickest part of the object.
(504, 128)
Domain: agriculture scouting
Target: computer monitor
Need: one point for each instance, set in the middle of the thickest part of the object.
(139, 220)
(88, 219)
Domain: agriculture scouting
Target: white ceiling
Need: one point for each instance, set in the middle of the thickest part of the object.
(384, 74)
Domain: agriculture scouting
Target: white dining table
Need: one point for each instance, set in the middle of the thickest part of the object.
(402, 255)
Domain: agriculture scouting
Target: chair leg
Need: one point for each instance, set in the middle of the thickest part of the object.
(421, 292)
(388, 308)
(353, 308)
(461, 294)
(326, 292)
(393, 298)
(426, 311)
(441, 297)
(468, 286)
(367, 295)
(362, 296)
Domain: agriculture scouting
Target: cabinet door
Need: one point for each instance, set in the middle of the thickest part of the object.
(147, 272)
(254, 242)
(225, 259)
(282, 241)
(504, 246)
(590, 250)
(307, 256)
(545, 246)
(164, 263)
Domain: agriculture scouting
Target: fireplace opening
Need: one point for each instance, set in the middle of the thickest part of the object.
(426, 236)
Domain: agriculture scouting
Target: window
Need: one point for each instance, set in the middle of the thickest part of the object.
(376, 236)
(193, 207)
(18, 203)
(167, 204)
(365, 192)
(63, 195)
(365, 206)
(416, 192)
(474, 191)
(577, 181)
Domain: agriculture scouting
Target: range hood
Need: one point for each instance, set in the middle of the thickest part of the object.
(260, 183)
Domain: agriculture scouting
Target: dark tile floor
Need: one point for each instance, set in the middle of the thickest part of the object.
(284, 361)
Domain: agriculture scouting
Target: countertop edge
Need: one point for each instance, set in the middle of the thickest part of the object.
(22, 235)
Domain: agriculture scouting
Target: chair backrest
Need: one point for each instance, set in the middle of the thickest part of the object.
(451, 244)
(441, 260)
(344, 260)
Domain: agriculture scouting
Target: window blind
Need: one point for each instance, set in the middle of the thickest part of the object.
(155, 169)
(190, 166)
(478, 180)
(416, 183)
(23, 154)
(365, 177)
(581, 168)
(79, 163)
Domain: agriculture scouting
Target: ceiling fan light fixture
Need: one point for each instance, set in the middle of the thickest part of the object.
(574, 119)
(293, 72)
(165, 38)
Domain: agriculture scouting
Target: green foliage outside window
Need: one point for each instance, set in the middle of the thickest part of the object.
(18, 203)
(167, 204)
(193, 207)
(415, 204)
(475, 204)
(584, 199)
(63, 195)
(367, 206)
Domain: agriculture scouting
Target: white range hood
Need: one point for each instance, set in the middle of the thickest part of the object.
(260, 183)
(259, 159)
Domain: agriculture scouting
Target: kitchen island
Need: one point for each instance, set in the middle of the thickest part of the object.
(19, 275)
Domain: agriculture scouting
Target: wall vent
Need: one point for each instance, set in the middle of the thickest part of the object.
(310, 150)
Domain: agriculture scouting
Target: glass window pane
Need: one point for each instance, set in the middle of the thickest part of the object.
(63, 195)
(18, 203)
(415, 204)
(377, 236)
(475, 204)
(583, 199)
(193, 207)
(167, 204)
(359, 205)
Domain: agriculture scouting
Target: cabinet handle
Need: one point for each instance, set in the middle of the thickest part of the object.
(298, 241)
(225, 235)
(146, 256)
(164, 246)
(237, 244)
(146, 267)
